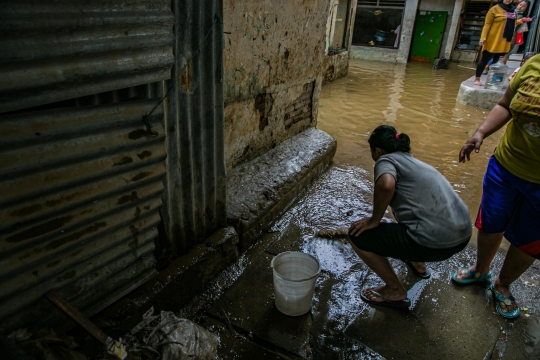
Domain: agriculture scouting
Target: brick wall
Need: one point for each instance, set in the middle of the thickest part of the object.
(300, 109)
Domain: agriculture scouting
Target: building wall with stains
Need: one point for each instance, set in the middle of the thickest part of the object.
(273, 60)
(336, 63)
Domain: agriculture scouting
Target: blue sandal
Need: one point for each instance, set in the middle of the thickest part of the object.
(473, 276)
(499, 298)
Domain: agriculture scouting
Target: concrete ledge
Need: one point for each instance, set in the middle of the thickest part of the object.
(176, 285)
(260, 190)
(374, 53)
(478, 96)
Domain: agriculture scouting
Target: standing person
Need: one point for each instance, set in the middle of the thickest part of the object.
(521, 9)
(497, 34)
(432, 222)
(511, 191)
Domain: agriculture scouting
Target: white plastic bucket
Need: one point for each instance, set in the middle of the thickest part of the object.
(295, 274)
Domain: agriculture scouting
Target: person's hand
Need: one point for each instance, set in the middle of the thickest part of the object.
(481, 43)
(392, 31)
(360, 226)
(473, 143)
(525, 20)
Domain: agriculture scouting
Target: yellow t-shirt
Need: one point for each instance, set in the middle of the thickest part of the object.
(519, 148)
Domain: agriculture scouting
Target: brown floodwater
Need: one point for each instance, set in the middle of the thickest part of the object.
(417, 101)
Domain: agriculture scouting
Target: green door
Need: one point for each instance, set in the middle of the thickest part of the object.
(428, 34)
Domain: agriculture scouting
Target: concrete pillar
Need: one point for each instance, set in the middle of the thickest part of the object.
(453, 31)
(407, 27)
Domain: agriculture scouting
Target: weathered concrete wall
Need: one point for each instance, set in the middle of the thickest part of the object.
(374, 53)
(463, 56)
(400, 55)
(336, 66)
(453, 30)
(274, 52)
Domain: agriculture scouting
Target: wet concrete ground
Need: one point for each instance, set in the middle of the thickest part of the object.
(446, 321)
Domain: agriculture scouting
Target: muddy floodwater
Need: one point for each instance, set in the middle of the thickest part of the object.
(417, 101)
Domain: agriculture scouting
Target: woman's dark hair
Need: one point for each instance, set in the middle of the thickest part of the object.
(388, 139)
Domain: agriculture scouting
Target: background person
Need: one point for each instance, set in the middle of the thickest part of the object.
(511, 190)
(432, 222)
(497, 34)
(526, 57)
(521, 10)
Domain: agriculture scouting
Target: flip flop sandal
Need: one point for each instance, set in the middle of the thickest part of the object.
(473, 276)
(499, 298)
(424, 275)
(403, 304)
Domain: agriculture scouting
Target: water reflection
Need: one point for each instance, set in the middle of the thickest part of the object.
(417, 101)
(395, 94)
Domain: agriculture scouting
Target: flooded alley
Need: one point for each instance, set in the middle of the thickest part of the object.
(159, 158)
(445, 321)
(417, 101)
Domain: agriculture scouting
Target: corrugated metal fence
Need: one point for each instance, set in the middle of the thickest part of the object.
(196, 173)
(81, 178)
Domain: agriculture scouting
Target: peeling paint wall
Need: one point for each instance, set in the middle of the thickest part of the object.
(274, 51)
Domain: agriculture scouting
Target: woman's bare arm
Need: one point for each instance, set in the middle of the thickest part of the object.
(495, 120)
(384, 192)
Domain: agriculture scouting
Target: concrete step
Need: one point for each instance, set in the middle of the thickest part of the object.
(261, 189)
(516, 57)
(513, 64)
(478, 96)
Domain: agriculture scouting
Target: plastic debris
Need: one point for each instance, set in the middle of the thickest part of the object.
(116, 348)
(20, 335)
(148, 313)
(168, 337)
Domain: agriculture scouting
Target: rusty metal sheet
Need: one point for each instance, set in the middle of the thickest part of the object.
(80, 193)
(196, 173)
(54, 50)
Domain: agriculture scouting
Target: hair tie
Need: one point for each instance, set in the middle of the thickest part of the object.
(397, 136)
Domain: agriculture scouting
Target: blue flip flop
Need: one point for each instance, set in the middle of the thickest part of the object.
(499, 298)
(473, 276)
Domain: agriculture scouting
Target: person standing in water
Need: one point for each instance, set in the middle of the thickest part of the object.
(433, 223)
(497, 34)
(511, 190)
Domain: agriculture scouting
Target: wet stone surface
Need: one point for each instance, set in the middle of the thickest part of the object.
(258, 191)
(446, 321)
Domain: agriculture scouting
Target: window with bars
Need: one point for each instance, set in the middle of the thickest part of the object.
(396, 4)
(378, 23)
